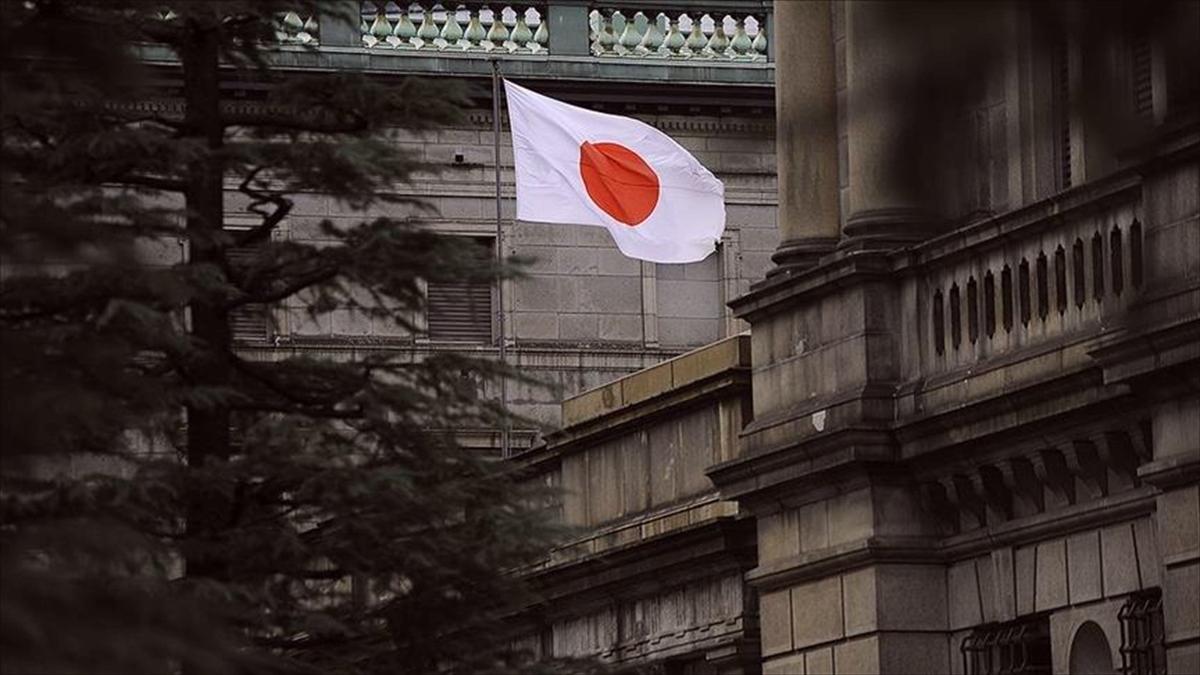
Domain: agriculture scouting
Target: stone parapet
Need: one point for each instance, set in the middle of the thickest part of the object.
(656, 573)
(730, 354)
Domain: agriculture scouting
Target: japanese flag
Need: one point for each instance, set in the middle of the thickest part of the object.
(582, 167)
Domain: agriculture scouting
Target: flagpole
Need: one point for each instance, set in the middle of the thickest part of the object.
(505, 423)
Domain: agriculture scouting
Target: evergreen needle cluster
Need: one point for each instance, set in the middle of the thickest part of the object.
(167, 502)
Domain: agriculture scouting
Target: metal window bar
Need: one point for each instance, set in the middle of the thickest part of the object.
(1143, 648)
(1018, 648)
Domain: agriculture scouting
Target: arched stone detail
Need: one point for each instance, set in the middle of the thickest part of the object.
(1091, 651)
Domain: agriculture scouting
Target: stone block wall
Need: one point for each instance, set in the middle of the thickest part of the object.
(584, 314)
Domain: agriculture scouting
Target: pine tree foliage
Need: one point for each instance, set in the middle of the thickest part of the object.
(167, 502)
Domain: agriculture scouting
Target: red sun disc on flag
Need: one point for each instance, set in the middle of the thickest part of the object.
(619, 181)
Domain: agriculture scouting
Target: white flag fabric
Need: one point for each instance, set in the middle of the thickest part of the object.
(581, 167)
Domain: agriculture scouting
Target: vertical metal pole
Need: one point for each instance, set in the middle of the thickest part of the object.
(505, 422)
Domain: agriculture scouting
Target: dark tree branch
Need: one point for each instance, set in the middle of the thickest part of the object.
(154, 182)
(283, 207)
(356, 123)
(311, 279)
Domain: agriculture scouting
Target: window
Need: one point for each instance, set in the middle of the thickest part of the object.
(1142, 74)
(1019, 647)
(461, 311)
(250, 322)
(1143, 651)
(1061, 96)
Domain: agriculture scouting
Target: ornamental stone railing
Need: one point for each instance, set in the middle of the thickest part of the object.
(296, 29)
(633, 30)
(679, 35)
(511, 28)
(1035, 277)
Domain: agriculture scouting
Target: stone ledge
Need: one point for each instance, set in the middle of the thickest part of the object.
(1172, 471)
(645, 527)
(708, 361)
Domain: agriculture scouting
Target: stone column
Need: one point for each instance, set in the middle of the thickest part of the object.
(339, 23)
(886, 113)
(1176, 472)
(568, 24)
(806, 136)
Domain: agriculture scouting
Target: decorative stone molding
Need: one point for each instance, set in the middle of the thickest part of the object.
(994, 492)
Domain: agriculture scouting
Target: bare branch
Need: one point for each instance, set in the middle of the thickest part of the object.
(283, 207)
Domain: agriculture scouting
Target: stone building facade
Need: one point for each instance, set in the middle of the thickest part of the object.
(584, 314)
(963, 432)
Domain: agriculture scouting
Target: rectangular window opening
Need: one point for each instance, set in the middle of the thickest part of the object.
(461, 311)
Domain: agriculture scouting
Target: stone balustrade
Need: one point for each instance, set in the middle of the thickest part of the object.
(297, 29)
(507, 28)
(676, 32)
(1054, 272)
(677, 35)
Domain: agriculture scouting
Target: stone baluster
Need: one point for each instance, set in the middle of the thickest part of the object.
(760, 42)
(740, 46)
(652, 42)
(475, 34)
(674, 41)
(451, 35)
(607, 40)
(541, 36)
(427, 31)
(718, 42)
(696, 41)
(497, 33)
(630, 37)
(379, 31)
(522, 36)
(405, 32)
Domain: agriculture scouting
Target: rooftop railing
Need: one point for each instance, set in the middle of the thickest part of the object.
(634, 30)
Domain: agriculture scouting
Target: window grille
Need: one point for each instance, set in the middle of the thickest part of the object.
(250, 322)
(1142, 62)
(1061, 92)
(461, 311)
(1143, 651)
(1017, 648)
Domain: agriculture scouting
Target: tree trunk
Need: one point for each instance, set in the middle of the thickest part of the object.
(208, 437)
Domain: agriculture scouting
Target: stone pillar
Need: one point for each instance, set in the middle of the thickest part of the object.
(568, 24)
(806, 137)
(889, 189)
(339, 23)
(1176, 472)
